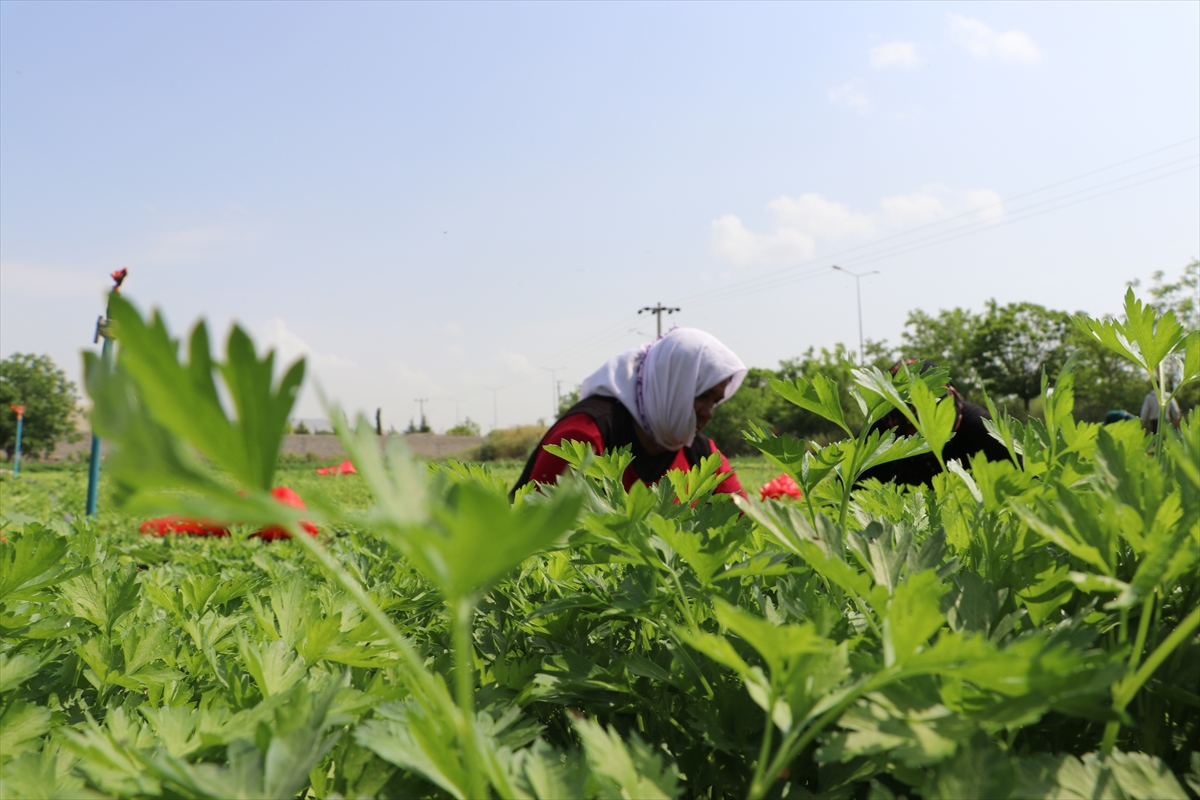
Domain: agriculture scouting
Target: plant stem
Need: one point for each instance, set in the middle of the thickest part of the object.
(761, 780)
(1139, 643)
(462, 611)
(421, 678)
(1129, 687)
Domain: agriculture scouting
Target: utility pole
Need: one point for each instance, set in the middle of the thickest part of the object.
(553, 389)
(495, 390)
(862, 353)
(421, 401)
(658, 311)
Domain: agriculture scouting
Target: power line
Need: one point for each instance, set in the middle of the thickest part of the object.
(658, 310)
(974, 212)
(902, 247)
(903, 242)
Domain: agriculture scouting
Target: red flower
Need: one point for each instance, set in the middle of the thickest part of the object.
(783, 486)
(175, 524)
(289, 498)
(344, 468)
(118, 277)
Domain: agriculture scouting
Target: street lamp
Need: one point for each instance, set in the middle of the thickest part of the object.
(862, 353)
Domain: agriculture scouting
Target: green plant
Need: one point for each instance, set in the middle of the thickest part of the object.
(1024, 628)
(510, 443)
(49, 398)
(468, 427)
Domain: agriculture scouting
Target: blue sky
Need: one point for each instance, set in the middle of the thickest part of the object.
(432, 199)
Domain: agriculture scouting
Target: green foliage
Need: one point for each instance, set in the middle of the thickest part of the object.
(1019, 629)
(49, 398)
(510, 443)
(1015, 344)
(468, 427)
(567, 400)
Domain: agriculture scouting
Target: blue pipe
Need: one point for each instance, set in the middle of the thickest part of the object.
(93, 490)
(17, 457)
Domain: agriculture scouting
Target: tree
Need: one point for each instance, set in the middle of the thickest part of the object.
(413, 427)
(948, 341)
(567, 400)
(1015, 343)
(49, 398)
(468, 427)
(1182, 296)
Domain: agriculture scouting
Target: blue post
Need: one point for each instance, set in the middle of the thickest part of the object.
(93, 491)
(17, 457)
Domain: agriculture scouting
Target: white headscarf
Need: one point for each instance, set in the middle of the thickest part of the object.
(659, 382)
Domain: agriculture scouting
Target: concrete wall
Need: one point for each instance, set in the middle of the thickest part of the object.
(323, 447)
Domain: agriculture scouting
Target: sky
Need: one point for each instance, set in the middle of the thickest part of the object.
(470, 202)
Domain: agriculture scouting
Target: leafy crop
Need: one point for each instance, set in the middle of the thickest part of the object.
(1025, 628)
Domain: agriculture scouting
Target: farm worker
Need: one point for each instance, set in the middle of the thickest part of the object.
(1151, 412)
(656, 398)
(970, 437)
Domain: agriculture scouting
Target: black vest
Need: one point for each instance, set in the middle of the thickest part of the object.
(617, 430)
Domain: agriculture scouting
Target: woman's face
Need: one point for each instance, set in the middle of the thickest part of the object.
(705, 403)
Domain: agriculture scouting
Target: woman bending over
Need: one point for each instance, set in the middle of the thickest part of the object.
(656, 398)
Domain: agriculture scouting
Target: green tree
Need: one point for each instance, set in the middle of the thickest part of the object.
(413, 427)
(1181, 296)
(948, 341)
(468, 427)
(567, 400)
(1014, 343)
(49, 398)
(754, 402)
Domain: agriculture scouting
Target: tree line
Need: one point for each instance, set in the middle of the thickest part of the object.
(1001, 351)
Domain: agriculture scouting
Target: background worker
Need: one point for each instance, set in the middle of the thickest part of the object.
(656, 398)
(1151, 412)
(970, 437)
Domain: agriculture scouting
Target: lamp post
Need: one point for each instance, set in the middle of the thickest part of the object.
(495, 390)
(862, 353)
(20, 412)
(553, 389)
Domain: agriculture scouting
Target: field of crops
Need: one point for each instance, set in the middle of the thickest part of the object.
(1023, 628)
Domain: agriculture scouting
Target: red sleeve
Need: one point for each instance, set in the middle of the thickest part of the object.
(730, 485)
(575, 428)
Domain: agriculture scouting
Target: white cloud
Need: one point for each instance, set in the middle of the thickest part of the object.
(983, 42)
(895, 54)
(800, 222)
(274, 334)
(24, 277)
(851, 95)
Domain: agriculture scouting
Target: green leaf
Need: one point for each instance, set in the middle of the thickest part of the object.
(31, 561)
(778, 645)
(913, 616)
(152, 404)
(820, 396)
(272, 666)
(631, 771)
(407, 735)
(935, 420)
(21, 724)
